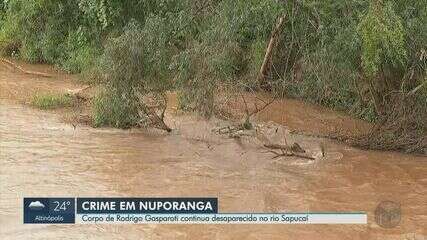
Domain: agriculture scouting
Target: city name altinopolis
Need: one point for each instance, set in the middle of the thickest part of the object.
(147, 206)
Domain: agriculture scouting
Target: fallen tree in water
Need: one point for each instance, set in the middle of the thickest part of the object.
(288, 151)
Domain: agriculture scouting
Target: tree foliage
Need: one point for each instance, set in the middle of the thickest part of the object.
(349, 55)
(383, 38)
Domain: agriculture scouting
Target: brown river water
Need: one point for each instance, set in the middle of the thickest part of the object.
(41, 156)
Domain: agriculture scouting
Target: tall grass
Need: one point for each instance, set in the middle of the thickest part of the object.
(48, 101)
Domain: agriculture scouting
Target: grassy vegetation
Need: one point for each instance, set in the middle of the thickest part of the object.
(51, 101)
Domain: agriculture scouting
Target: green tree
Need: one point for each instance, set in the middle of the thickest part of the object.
(384, 54)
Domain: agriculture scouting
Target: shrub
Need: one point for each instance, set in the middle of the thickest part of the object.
(135, 73)
(51, 101)
(222, 52)
(394, 65)
(383, 39)
(112, 109)
(235, 31)
(196, 82)
(49, 31)
(81, 53)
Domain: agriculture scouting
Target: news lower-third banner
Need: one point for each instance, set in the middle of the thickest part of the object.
(164, 211)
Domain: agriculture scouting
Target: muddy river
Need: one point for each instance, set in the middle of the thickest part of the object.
(40, 155)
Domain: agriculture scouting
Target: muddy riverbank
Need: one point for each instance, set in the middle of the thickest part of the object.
(41, 155)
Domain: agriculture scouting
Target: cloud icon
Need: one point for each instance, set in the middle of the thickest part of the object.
(37, 205)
